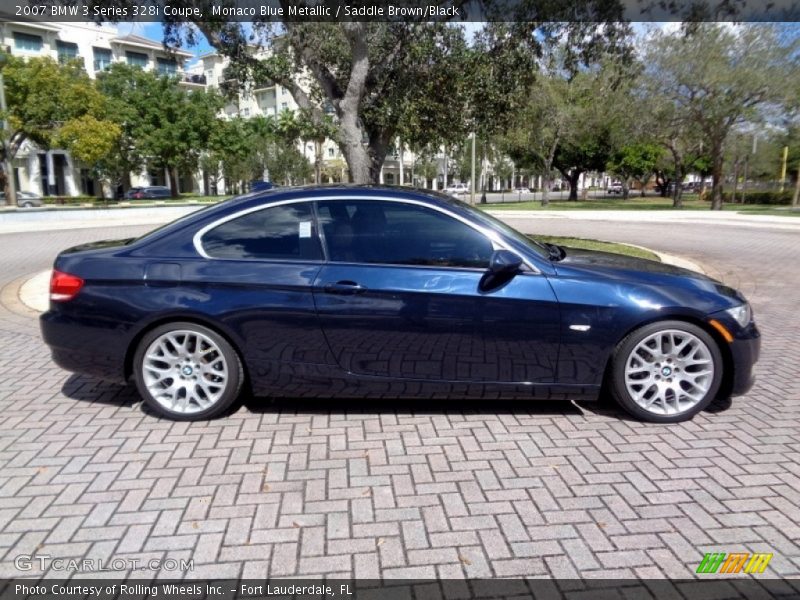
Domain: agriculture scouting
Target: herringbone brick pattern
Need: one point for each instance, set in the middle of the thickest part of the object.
(413, 488)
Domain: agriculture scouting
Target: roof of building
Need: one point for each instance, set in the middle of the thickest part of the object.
(137, 40)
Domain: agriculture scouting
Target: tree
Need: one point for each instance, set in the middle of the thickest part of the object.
(717, 77)
(92, 142)
(381, 79)
(162, 123)
(275, 141)
(230, 153)
(532, 140)
(43, 96)
(636, 161)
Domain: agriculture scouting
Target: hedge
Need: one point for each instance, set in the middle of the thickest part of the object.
(784, 198)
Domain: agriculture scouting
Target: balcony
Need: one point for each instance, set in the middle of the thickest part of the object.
(188, 79)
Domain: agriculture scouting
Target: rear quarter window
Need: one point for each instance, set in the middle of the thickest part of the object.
(278, 233)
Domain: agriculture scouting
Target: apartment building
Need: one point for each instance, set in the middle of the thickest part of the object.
(54, 172)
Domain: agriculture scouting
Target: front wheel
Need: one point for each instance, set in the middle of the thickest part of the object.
(187, 372)
(666, 372)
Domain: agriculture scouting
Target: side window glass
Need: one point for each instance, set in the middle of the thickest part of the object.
(372, 231)
(281, 232)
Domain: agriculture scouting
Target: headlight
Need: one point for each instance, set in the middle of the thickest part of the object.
(741, 314)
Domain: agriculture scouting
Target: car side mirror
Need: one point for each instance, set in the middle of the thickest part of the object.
(504, 262)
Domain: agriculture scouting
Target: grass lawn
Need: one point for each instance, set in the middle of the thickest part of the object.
(648, 203)
(596, 245)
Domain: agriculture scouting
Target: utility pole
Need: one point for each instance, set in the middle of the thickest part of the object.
(8, 170)
(472, 178)
(783, 167)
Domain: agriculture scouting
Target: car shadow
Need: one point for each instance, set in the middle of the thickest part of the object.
(95, 391)
(606, 406)
(416, 406)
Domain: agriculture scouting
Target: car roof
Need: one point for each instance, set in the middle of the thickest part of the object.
(310, 193)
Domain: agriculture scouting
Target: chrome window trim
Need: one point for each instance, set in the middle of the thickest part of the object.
(491, 235)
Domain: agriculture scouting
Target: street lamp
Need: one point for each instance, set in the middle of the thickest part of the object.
(11, 195)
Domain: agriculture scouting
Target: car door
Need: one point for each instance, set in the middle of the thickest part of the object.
(400, 297)
(258, 281)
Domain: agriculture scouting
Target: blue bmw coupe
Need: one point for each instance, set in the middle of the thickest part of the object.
(353, 291)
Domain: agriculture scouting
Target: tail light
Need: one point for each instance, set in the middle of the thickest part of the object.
(64, 286)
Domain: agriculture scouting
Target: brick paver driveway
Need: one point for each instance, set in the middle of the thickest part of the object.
(411, 489)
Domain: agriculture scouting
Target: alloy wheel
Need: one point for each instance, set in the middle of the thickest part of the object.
(185, 371)
(669, 372)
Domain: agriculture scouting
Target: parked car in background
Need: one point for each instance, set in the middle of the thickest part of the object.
(522, 190)
(148, 192)
(457, 189)
(25, 199)
(614, 188)
(692, 187)
(380, 292)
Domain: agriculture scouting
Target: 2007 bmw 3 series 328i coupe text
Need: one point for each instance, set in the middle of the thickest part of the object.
(354, 291)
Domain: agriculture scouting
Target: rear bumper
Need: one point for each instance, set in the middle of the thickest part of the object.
(81, 349)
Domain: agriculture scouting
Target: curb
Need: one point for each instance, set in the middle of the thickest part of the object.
(671, 259)
(29, 294)
(11, 299)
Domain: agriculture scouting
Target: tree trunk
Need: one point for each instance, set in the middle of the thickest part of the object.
(625, 189)
(572, 177)
(716, 180)
(677, 192)
(317, 162)
(546, 191)
(173, 181)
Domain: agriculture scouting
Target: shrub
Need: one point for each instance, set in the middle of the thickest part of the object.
(784, 198)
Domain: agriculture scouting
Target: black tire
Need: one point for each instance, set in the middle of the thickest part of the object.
(229, 392)
(619, 389)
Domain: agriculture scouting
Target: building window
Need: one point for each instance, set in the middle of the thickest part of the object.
(136, 59)
(284, 106)
(66, 51)
(25, 41)
(167, 66)
(330, 151)
(102, 59)
(246, 112)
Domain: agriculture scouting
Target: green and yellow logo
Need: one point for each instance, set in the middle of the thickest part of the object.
(738, 562)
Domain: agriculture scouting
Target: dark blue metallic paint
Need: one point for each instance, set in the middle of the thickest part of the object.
(413, 330)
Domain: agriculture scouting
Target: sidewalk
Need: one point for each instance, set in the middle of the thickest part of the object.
(658, 216)
(40, 220)
(35, 220)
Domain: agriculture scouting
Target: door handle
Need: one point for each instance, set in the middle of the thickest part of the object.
(344, 287)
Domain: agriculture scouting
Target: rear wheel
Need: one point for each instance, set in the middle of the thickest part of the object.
(185, 371)
(666, 372)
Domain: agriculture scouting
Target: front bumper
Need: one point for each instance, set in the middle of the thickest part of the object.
(745, 350)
